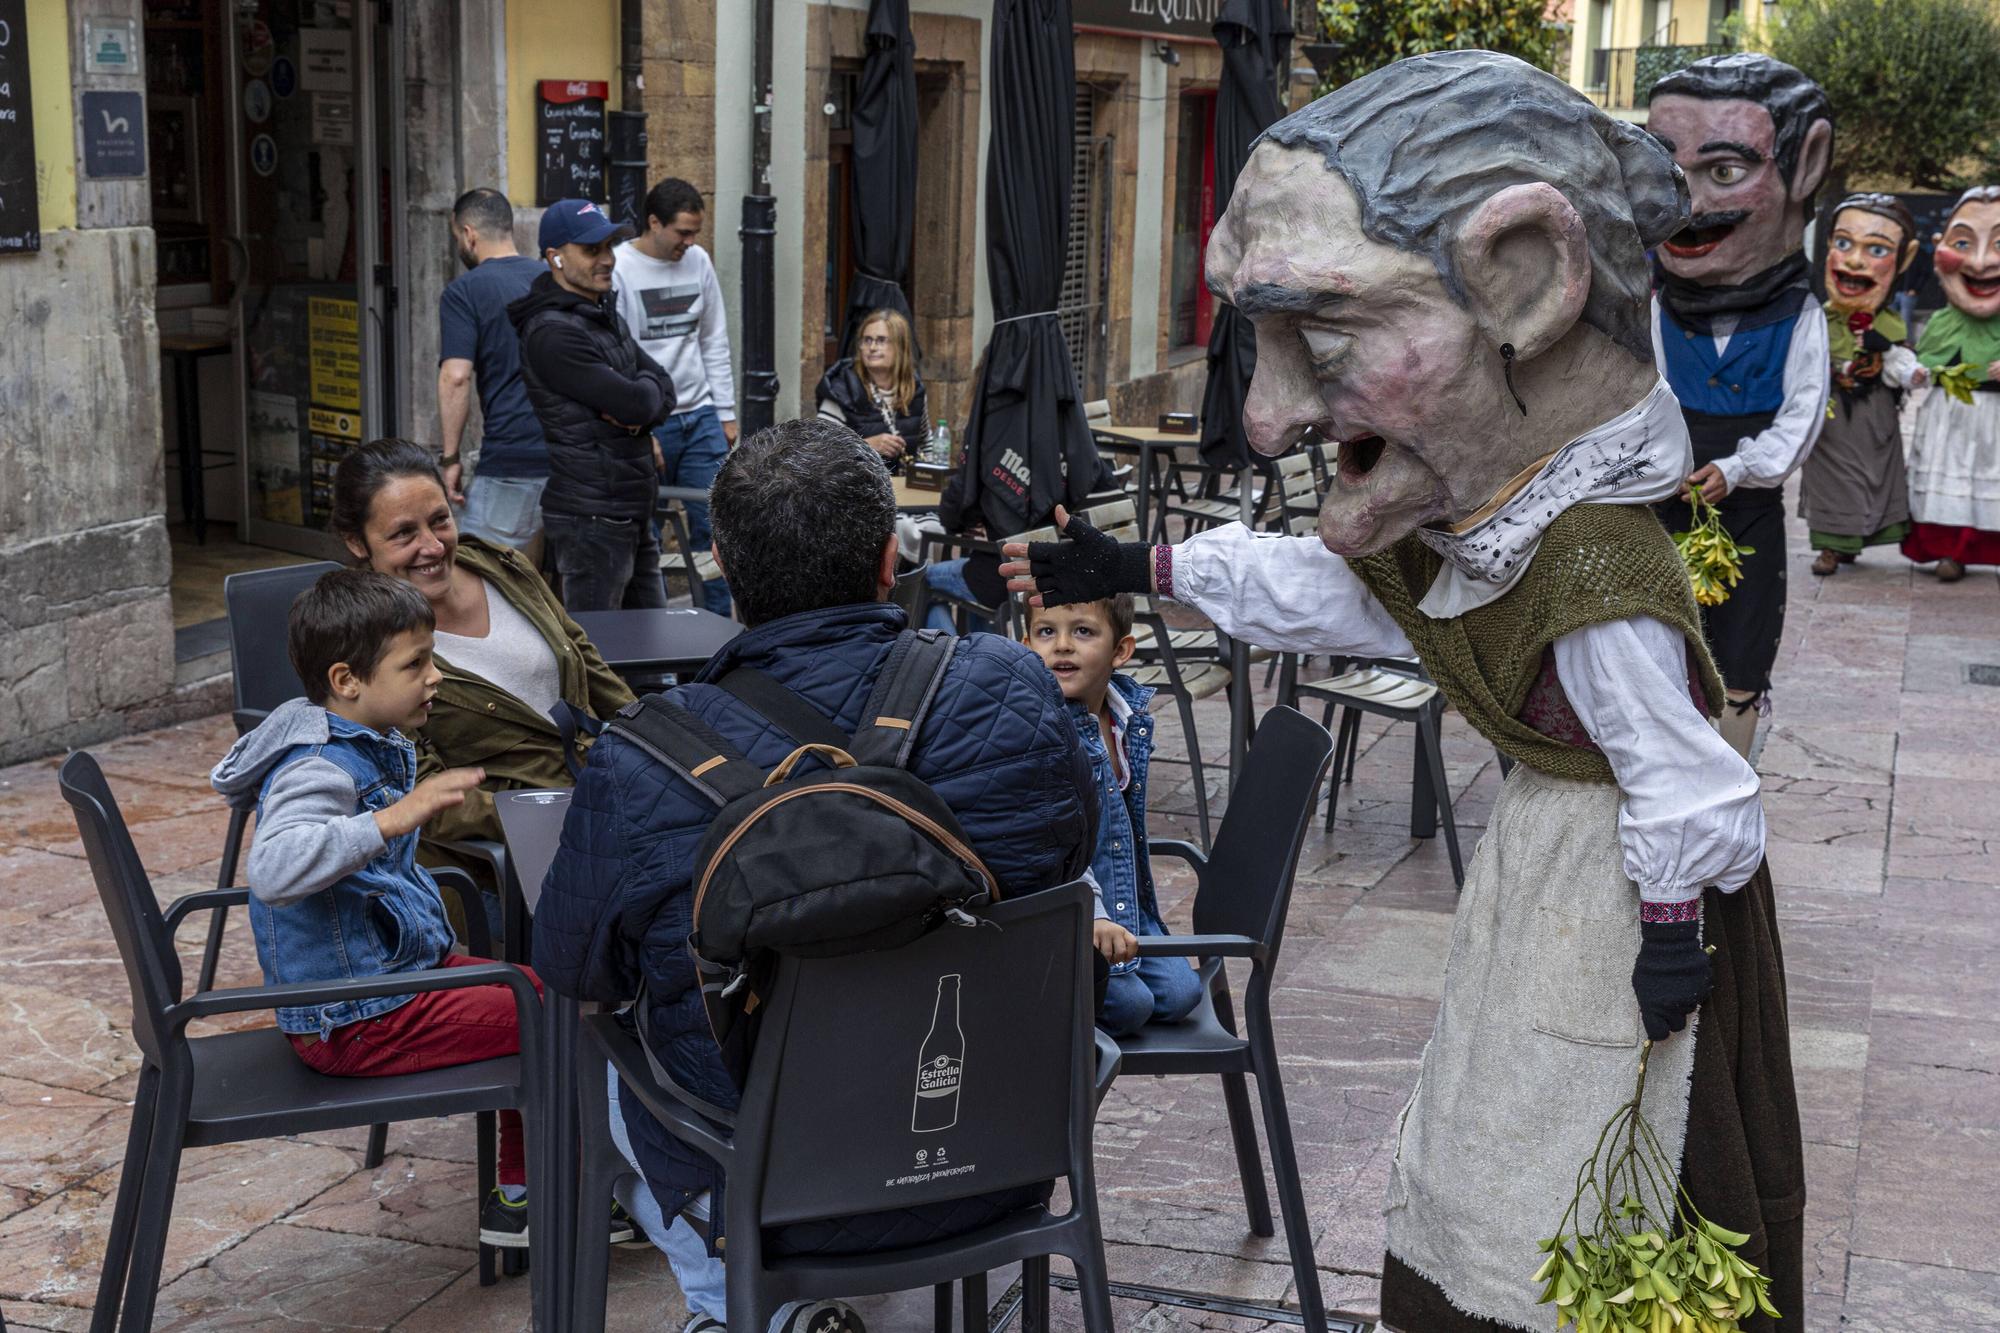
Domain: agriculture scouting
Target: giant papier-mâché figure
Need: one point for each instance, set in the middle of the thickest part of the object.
(1445, 263)
(1854, 493)
(1955, 448)
(1737, 331)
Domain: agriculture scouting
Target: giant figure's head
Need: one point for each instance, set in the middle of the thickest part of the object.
(1754, 137)
(1404, 241)
(1968, 253)
(1873, 239)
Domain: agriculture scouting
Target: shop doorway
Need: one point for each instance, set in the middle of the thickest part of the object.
(276, 180)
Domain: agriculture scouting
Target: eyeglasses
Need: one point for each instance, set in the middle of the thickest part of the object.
(876, 340)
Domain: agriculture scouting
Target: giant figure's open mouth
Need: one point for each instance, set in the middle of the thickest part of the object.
(1983, 288)
(1694, 242)
(1358, 457)
(1853, 284)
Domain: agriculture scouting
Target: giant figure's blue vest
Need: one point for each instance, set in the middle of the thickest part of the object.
(1749, 376)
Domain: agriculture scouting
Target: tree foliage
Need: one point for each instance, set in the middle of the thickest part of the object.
(1374, 32)
(1915, 84)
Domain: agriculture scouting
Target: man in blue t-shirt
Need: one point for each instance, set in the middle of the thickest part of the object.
(477, 342)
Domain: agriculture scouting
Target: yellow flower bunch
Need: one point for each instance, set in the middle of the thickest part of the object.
(1633, 1272)
(1714, 561)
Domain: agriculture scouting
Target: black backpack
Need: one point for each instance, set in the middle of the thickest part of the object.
(855, 855)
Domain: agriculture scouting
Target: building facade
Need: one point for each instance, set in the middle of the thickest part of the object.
(223, 235)
(1618, 49)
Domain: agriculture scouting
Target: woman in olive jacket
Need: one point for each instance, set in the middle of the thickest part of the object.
(507, 649)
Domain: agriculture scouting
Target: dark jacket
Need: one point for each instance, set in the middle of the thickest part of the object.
(998, 745)
(598, 396)
(474, 722)
(843, 388)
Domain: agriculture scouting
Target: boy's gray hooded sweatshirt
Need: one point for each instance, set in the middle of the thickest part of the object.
(312, 836)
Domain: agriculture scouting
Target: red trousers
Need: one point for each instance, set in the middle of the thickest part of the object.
(432, 1030)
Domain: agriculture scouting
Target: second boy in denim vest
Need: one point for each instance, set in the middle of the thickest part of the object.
(1084, 644)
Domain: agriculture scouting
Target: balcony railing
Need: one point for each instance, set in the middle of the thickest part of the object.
(1622, 78)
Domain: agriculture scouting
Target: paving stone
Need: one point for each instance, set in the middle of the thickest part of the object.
(52, 1252)
(54, 1138)
(1829, 1226)
(298, 1279)
(34, 882)
(406, 1198)
(61, 1039)
(1924, 1194)
(1828, 1068)
(1383, 951)
(1883, 1294)
(1801, 750)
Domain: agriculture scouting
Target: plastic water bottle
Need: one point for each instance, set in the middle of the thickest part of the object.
(940, 452)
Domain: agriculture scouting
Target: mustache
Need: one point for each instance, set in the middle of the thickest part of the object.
(1706, 221)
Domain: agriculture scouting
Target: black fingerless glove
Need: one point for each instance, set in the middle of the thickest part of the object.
(1671, 977)
(1087, 566)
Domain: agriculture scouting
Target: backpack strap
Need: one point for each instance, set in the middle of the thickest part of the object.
(904, 689)
(690, 747)
(783, 708)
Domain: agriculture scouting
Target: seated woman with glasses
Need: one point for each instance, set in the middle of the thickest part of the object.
(876, 393)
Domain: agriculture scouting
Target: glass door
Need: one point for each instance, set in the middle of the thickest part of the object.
(308, 203)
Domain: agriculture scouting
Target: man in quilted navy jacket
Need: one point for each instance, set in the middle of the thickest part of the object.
(804, 527)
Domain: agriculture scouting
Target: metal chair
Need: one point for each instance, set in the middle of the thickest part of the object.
(1244, 889)
(258, 603)
(810, 1141)
(201, 1091)
(697, 568)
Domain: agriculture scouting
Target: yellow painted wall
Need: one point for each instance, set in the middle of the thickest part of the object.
(55, 136)
(551, 39)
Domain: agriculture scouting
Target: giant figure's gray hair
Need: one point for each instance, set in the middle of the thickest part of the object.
(1425, 141)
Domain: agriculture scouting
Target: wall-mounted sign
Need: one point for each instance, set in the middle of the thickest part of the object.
(570, 133)
(284, 76)
(256, 101)
(326, 60)
(110, 46)
(20, 210)
(263, 155)
(333, 118)
(1149, 18)
(114, 135)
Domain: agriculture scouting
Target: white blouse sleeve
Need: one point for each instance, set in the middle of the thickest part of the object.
(1692, 816)
(1899, 363)
(1288, 594)
(1774, 453)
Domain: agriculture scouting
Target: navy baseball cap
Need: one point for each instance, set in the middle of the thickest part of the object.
(577, 222)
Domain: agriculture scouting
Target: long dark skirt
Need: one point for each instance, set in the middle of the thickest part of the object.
(1744, 1161)
(1743, 632)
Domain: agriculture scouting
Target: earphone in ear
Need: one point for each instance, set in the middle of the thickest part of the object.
(558, 261)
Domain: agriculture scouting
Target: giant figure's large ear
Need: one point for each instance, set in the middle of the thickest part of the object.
(1525, 264)
(1815, 156)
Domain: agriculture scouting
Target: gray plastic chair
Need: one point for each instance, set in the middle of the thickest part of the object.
(827, 1126)
(258, 603)
(200, 1091)
(1245, 889)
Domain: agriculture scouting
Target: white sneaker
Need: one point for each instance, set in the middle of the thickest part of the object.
(824, 1317)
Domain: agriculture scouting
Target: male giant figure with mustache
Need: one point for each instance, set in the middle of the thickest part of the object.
(1445, 264)
(1738, 331)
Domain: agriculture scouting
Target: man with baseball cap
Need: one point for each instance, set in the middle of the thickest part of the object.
(599, 397)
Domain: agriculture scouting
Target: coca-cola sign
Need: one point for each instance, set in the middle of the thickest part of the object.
(1179, 19)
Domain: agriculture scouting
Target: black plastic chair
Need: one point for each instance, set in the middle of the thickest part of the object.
(259, 604)
(827, 1124)
(1244, 889)
(201, 1091)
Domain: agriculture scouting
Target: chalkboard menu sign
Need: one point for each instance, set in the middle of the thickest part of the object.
(20, 214)
(570, 140)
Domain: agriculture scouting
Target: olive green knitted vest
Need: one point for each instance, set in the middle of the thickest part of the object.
(1596, 563)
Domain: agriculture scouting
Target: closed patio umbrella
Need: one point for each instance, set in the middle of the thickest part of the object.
(882, 205)
(1256, 41)
(1027, 447)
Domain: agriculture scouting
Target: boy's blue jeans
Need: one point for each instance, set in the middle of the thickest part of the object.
(1158, 990)
(694, 449)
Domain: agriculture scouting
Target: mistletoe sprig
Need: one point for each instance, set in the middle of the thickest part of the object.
(1714, 561)
(1650, 1263)
(1957, 381)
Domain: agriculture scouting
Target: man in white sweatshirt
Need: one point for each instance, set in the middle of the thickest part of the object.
(670, 299)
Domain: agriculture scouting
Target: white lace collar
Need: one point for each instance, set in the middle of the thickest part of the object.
(1639, 456)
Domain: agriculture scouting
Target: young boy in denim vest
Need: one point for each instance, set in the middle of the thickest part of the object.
(336, 889)
(1084, 644)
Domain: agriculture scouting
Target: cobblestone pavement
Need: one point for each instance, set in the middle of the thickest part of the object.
(1882, 779)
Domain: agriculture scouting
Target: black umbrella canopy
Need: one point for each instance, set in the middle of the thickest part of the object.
(884, 199)
(1027, 447)
(1256, 40)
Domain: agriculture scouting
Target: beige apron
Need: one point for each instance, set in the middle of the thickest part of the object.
(1536, 1044)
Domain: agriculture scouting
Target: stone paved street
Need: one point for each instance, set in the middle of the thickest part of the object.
(1882, 780)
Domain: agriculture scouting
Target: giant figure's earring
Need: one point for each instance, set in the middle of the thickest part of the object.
(1507, 368)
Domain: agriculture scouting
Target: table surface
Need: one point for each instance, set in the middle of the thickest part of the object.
(1150, 436)
(672, 638)
(531, 822)
(909, 497)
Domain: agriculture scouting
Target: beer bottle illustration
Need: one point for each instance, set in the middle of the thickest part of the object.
(940, 1064)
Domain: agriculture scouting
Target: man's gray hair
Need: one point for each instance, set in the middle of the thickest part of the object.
(801, 512)
(1794, 101)
(1425, 141)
